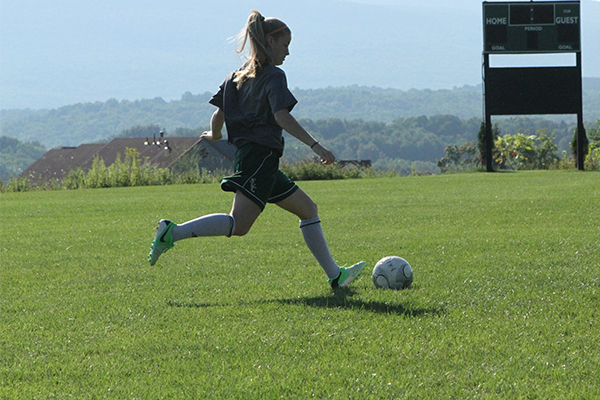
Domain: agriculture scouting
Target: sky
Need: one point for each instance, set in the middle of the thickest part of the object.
(62, 52)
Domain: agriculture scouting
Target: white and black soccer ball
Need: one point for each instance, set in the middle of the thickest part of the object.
(392, 273)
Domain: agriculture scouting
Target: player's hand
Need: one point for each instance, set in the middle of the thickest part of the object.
(211, 136)
(327, 157)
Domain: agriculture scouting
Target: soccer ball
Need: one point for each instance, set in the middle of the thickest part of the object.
(392, 273)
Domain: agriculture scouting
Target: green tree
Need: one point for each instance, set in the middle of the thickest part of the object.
(593, 132)
(481, 142)
(574, 146)
(16, 156)
(592, 160)
(459, 158)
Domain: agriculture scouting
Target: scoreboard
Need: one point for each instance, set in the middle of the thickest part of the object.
(531, 27)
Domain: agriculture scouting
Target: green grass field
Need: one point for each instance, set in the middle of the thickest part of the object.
(505, 302)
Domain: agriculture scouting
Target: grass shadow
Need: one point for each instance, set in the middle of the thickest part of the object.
(341, 298)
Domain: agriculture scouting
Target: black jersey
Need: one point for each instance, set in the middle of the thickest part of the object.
(249, 111)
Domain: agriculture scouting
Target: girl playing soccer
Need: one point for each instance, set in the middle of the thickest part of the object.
(254, 103)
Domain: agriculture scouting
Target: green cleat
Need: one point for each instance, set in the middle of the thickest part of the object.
(163, 241)
(347, 275)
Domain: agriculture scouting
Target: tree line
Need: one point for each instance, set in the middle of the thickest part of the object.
(400, 130)
(93, 122)
(406, 146)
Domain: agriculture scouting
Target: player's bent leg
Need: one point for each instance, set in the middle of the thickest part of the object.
(300, 205)
(245, 212)
(207, 225)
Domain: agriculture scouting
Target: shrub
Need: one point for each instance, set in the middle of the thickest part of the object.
(311, 170)
(526, 152)
(97, 177)
(16, 185)
(75, 179)
(592, 160)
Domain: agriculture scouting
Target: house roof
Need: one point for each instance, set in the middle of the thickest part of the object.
(160, 152)
(222, 146)
(56, 163)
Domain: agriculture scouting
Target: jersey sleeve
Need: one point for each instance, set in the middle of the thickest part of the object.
(278, 93)
(218, 99)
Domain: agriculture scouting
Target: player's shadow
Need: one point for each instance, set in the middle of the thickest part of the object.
(341, 298)
(344, 298)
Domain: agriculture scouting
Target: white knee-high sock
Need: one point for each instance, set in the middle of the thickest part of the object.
(208, 225)
(315, 240)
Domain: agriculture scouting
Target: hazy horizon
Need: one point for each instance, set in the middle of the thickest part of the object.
(60, 53)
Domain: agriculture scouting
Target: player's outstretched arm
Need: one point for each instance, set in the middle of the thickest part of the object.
(293, 127)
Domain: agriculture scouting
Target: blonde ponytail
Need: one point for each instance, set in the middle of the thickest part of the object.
(257, 29)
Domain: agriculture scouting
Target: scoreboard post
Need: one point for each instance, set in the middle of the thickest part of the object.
(532, 28)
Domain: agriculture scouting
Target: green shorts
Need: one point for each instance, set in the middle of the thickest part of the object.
(257, 175)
